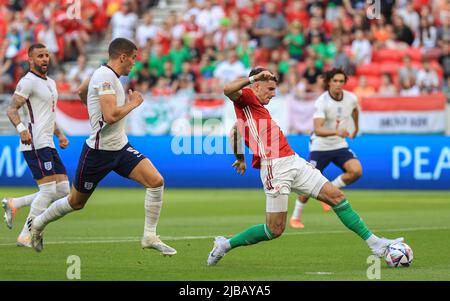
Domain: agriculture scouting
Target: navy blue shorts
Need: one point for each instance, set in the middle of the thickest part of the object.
(95, 164)
(321, 159)
(44, 162)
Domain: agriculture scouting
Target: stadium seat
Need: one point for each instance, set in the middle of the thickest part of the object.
(387, 55)
(414, 53)
(372, 69)
(351, 84)
(389, 67)
(374, 81)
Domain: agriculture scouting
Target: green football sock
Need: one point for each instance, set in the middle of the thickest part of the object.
(251, 236)
(351, 219)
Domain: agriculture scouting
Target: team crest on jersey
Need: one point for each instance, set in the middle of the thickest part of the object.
(88, 185)
(48, 165)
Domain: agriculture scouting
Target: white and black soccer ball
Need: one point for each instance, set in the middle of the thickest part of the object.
(399, 255)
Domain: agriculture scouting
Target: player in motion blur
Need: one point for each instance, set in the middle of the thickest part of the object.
(38, 92)
(282, 170)
(107, 149)
(335, 116)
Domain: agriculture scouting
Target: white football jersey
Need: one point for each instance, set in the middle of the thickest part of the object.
(337, 115)
(105, 136)
(41, 95)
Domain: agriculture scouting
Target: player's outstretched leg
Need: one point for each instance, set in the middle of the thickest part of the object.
(153, 205)
(10, 205)
(350, 218)
(296, 218)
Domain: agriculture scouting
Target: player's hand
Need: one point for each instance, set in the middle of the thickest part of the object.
(63, 141)
(343, 133)
(25, 137)
(264, 75)
(135, 97)
(239, 167)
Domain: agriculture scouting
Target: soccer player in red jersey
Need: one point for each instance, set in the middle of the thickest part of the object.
(282, 170)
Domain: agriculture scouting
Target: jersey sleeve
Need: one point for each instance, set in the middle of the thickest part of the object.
(319, 111)
(106, 85)
(247, 97)
(24, 88)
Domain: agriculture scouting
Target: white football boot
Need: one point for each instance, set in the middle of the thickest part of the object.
(380, 247)
(154, 242)
(221, 247)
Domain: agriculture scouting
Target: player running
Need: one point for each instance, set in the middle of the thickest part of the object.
(282, 170)
(38, 92)
(107, 149)
(335, 117)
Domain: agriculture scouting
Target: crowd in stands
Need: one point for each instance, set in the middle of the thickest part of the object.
(403, 49)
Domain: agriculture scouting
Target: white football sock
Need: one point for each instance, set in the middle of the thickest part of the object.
(152, 205)
(46, 195)
(338, 182)
(56, 210)
(372, 240)
(62, 189)
(297, 213)
(24, 200)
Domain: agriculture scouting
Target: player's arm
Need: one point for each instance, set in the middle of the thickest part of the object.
(233, 89)
(355, 116)
(63, 141)
(236, 144)
(113, 113)
(322, 131)
(82, 90)
(13, 114)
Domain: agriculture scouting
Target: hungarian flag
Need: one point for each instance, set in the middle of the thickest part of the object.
(403, 115)
(72, 117)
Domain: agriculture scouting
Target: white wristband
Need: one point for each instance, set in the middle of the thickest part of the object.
(20, 128)
(251, 79)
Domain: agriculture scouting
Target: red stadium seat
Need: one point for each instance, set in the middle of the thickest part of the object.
(351, 83)
(372, 69)
(414, 53)
(389, 67)
(387, 55)
(374, 81)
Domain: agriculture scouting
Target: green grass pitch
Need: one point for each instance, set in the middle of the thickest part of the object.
(106, 237)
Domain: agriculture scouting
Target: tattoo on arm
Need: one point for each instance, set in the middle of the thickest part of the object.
(13, 109)
(236, 142)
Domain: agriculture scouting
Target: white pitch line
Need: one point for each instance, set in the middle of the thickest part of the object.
(100, 240)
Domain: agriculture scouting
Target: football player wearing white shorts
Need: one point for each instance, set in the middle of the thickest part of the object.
(107, 149)
(281, 170)
(335, 118)
(37, 93)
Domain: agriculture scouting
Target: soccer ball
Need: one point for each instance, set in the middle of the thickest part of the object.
(399, 255)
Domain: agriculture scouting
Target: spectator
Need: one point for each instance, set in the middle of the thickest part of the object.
(47, 36)
(147, 30)
(124, 21)
(81, 71)
(409, 88)
(225, 37)
(427, 35)
(443, 32)
(444, 59)
(410, 17)
(178, 54)
(427, 78)
(209, 17)
(245, 49)
(407, 71)
(363, 89)
(361, 49)
(230, 69)
(62, 84)
(315, 28)
(342, 60)
(404, 34)
(297, 12)
(387, 87)
(295, 40)
(311, 74)
(270, 27)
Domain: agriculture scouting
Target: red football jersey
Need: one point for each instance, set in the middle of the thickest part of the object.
(261, 134)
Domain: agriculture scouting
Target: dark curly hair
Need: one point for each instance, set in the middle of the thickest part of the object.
(328, 75)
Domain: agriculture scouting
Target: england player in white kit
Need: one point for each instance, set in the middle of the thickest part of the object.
(107, 149)
(37, 93)
(335, 118)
